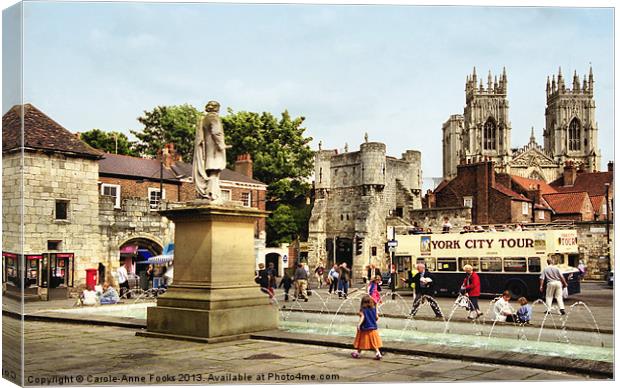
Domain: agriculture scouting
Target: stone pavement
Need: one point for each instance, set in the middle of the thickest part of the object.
(82, 354)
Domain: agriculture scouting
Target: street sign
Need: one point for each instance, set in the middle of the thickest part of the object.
(284, 259)
(392, 249)
(392, 243)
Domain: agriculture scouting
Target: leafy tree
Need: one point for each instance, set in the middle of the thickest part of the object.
(280, 151)
(168, 124)
(281, 154)
(282, 225)
(111, 142)
(282, 159)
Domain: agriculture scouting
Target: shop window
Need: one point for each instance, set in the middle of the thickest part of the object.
(428, 261)
(62, 209)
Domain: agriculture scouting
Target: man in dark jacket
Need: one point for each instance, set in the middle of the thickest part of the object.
(424, 283)
(343, 280)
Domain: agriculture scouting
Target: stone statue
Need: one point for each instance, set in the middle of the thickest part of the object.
(365, 137)
(209, 154)
(346, 147)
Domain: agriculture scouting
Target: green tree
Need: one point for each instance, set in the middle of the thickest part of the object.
(282, 159)
(168, 124)
(111, 142)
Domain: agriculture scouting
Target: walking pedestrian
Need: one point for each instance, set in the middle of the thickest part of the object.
(318, 273)
(367, 336)
(344, 275)
(374, 289)
(262, 279)
(123, 278)
(471, 288)
(286, 284)
(424, 290)
(332, 278)
(555, 284)
(301, 282)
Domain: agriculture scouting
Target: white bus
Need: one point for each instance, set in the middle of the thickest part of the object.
(511, 260)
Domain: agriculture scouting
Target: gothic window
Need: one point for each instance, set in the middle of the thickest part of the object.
(490, 132)
(574, 135)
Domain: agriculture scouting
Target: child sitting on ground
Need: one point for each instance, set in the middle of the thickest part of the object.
(367, 336)
(524, 314)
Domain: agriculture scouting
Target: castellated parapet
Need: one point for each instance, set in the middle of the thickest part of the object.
(355, 193)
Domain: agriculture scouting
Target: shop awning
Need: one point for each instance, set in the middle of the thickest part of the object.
(160, 259)
(129, 249)
(145, 253)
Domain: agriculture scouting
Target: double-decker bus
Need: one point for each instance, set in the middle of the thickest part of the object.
(510, 260)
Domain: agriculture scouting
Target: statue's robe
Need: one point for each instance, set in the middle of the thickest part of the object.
(209, 156)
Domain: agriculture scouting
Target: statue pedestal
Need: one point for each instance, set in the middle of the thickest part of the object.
(213, 296)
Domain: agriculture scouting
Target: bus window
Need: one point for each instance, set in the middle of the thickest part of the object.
(557, 259)
(429, 262)
(473, 261)
(491, 264)
(533, 264)
(446, 264)
(515, 264)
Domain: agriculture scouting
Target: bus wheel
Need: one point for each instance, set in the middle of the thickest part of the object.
(517, 288)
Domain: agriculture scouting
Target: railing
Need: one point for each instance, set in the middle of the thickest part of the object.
(403, 230)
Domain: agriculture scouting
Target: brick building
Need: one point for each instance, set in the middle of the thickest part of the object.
(68, 207)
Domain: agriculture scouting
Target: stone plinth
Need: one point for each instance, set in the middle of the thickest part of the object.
(213, 295)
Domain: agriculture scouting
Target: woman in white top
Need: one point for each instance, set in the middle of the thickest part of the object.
(503, 310)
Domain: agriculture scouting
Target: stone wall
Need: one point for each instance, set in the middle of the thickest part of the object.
(132, 221)
(11, 202)
(433, 217)
(355, 193)
(593, 248)
(52, 177)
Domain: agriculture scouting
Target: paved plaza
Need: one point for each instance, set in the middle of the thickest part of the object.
(113, 355)
(105, 354)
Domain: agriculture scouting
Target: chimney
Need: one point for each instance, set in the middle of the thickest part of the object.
(244, 165)
(169, 155)
(610, 166)
(570, 173)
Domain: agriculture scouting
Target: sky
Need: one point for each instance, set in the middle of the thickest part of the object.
(395, 72)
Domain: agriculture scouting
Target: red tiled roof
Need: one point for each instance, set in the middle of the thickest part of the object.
(506, 191)
(567, 203)
(591, 182)
(40, 133)
(597, 201)
(124, 165)
(532, 184)
(131, 166)
(443, 184)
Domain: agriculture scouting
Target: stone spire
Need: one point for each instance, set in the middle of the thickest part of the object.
(575, 82)
(532, 137)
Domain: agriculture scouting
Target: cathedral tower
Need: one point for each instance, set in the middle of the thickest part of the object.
(486, 133)
(571, 131)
